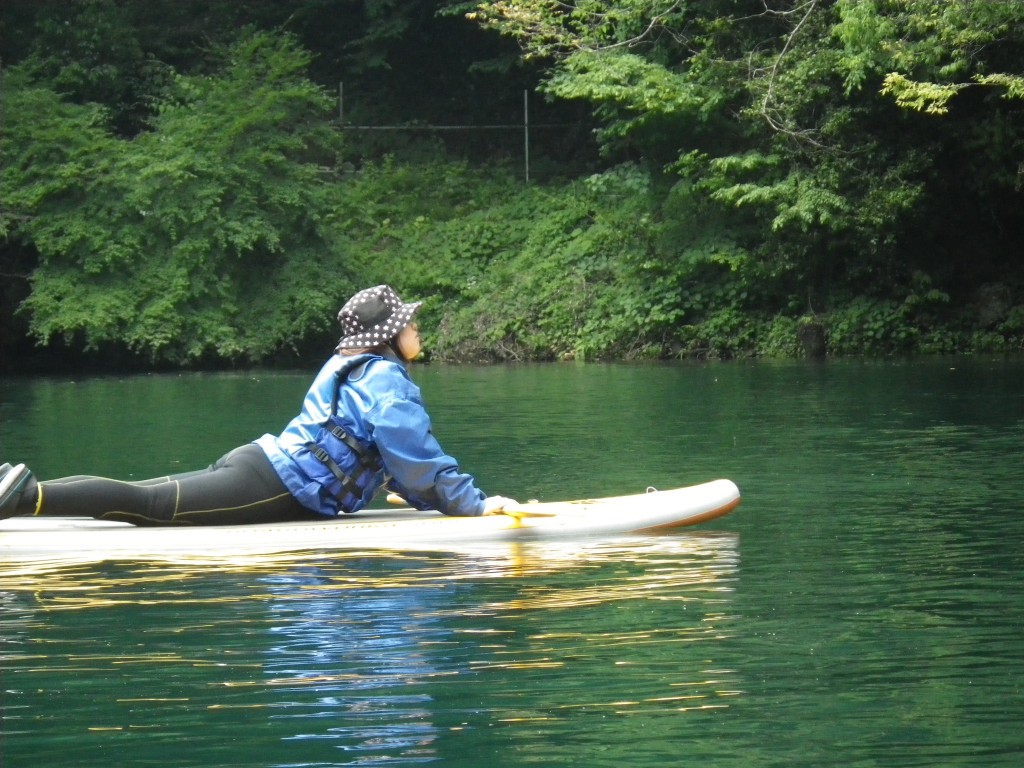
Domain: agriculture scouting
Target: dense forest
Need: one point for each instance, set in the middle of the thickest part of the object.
(202, 184)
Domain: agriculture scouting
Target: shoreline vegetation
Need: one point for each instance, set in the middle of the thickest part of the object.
(191, 187)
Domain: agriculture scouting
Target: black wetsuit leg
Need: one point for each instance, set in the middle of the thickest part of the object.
(240, 488)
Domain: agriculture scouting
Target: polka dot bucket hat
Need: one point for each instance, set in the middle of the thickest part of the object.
(373, 316)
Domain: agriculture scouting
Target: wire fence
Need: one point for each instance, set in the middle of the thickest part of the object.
(524, 127)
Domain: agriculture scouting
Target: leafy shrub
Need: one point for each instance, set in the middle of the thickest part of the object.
(204, 236)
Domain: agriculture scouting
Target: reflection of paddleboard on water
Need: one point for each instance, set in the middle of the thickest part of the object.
(698, 559)
(86, 540)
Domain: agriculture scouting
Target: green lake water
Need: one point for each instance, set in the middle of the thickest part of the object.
(864, 606)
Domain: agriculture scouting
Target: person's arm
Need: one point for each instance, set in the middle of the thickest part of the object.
(421, 471)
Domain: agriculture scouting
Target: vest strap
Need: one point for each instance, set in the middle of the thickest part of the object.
(369, 461)
(348, 483)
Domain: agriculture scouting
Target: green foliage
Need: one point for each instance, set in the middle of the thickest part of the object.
(592, 270)
(879, 327)
(930, 50)
(869, 327)
(785, 118)
(932, 98)
(617, 80)
(207, 235)
(89, 52)
(853, 163)
(780, 338)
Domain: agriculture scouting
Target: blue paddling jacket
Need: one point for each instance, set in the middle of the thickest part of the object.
(363, 421)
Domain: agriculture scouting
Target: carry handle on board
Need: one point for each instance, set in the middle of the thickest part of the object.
(517, 513)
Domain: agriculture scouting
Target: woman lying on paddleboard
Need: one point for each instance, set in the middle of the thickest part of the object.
(362, 427)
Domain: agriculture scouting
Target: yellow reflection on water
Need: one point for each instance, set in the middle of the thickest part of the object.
(541, 634)
(652, 568)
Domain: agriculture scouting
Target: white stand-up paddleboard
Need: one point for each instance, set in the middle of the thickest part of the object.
(85, 540)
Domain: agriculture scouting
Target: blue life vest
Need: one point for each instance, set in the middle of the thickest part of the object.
(342, 465)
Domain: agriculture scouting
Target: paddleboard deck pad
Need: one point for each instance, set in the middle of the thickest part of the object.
(83, 539)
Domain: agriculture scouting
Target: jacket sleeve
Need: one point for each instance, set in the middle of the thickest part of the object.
(422, 472)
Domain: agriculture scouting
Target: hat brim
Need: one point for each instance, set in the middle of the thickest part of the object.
(382, 332)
